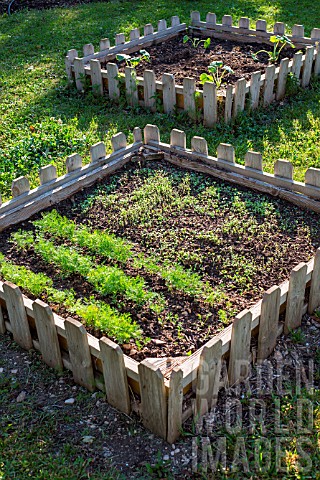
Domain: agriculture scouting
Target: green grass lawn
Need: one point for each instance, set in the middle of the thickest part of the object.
(42, 120)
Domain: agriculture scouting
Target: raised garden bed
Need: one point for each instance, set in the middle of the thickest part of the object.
(163, 238)
(170, 81)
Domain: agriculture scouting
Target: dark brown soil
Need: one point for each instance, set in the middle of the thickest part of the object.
(242, 263)
(183, 60)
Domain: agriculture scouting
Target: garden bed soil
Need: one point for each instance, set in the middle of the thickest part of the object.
(238, 241)
(183, 60)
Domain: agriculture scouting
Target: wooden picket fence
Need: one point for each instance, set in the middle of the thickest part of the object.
(207, 104)
(164, 391)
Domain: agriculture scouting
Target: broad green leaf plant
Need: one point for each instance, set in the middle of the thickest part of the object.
(279, 42)
(133, 61)
(217, 71)
(196, 42)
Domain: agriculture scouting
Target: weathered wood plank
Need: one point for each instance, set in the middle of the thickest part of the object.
(297, 64)
(20, 186)
(268, 95)
(208, 376)
(2, 322)
(316, 68)
(268, 325)
(314, 296)
(153, 398)
(96, 77)
(226, 152)
(209, 104)
(239, 96)
(175, 398)
(240, 347)
(253, 160)
(118, 141)
(283, 169)
(189, 90)
(113, 81)
(151, 134)
(228, 104)
(17, 315)
(47, 335)
(115, 376)
(312, 177)
(79, 353)
(282, 78)
(178, 139)
(169, 93)
(88, 49)
(47, 174)
(149, 89)
(79, 73)
(199, 145)
(131, 86)
(73, 162)
(255, 90)
(307, 66)
(69, 59)
(295, 298)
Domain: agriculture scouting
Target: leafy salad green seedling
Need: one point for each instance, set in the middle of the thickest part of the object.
(279, 42)
(196, 42)
(133, 61)
(218, 71)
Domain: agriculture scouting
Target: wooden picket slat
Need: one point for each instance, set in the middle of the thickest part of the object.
(282, 78)
(115, 376)
(283, 169)
(314, 296)
(153, 398)
(268, 325)
(268, 95)
(96, 77)
(208, 380)
(168, 92)
(2, 322)
(228, 104)
(69, 59)
(47, 335)
(175, 398)
(149, 78)
(297, 64)
(239, 96)
(316, 69)
(209, 104)
(79, 73)
(113, 81)
(79, 353)
(131, 86)
(307, 66)
(20, 186)
(295, 298)
(240, 347)
(255, 90)
(178, 138)
(17, 315)
(189, 90)
(253, 160)
(199, 145)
